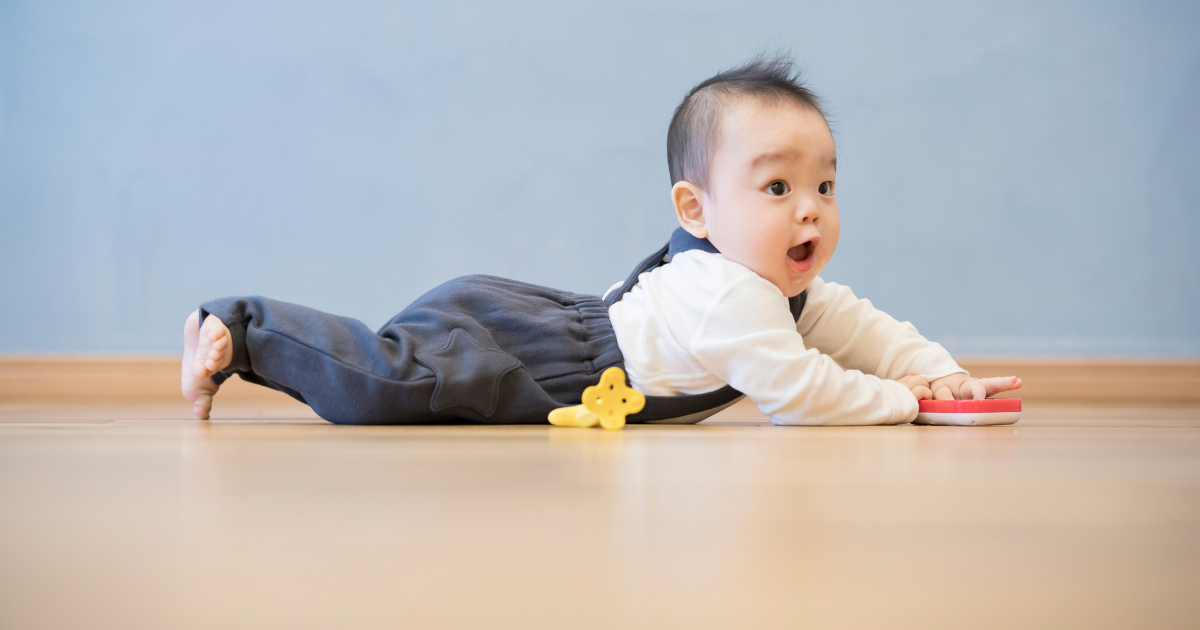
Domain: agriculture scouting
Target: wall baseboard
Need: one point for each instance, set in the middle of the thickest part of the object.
(1169, 381)
(111, 380)
(155, 380)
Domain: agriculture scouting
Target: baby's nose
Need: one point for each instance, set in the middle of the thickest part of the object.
(808, 213)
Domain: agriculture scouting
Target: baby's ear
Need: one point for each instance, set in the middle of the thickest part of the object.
(689, 208)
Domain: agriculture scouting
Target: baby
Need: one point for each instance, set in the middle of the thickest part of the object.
(732, 306)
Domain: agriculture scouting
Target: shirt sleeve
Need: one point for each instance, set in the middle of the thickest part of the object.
(861, 337)
(747, 338)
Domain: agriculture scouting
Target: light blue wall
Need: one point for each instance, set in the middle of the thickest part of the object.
(1014, 177)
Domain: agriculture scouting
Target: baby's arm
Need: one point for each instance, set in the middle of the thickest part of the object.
(748, 339)
(859, 336)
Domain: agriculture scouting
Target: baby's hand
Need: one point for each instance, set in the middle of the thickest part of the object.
(962, 387)
(917, 385)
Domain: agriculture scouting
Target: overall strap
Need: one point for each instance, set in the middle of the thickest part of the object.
(674, 407)
(654, 260)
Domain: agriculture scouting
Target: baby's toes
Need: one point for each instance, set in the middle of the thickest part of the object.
(199, 368)
(202, 407)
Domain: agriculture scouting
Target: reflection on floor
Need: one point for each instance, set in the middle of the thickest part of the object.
(137, 517)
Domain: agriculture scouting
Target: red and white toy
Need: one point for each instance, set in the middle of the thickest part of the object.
(969, 413)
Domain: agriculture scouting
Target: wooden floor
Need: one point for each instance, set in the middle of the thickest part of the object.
(136, 517)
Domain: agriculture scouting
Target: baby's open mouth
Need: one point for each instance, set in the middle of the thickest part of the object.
(801, 257)
(803, 251)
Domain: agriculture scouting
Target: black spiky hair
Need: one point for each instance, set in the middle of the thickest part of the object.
(693, 135)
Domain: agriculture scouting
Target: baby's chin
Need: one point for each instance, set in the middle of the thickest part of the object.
(791, 285)
(796, 287)
(800, 273)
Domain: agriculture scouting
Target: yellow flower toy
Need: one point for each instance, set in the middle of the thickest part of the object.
(605, 404)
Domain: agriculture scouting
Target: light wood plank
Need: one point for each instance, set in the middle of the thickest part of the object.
(1076, 518)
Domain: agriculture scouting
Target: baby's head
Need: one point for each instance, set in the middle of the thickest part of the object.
(753, 165)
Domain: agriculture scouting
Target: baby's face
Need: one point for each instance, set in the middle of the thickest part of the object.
(771, 203)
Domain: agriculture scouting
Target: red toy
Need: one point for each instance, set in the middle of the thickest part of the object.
(988, 412)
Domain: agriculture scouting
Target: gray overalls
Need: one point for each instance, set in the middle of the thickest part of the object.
(477, 348)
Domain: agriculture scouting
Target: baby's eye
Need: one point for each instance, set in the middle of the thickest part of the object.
(825, 188)
(778, 189)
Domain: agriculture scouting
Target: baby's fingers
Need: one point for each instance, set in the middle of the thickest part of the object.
(922, 392)
(1000, 384)
(980, 388)
(972, 389)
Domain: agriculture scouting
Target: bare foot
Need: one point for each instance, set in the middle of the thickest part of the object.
(207, 350)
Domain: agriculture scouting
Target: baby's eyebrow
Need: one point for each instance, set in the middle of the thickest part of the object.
(774, 156)
(783, 156)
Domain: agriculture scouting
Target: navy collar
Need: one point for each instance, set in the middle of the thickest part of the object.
(682, 241)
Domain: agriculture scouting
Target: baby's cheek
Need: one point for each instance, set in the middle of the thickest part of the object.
(825, 249)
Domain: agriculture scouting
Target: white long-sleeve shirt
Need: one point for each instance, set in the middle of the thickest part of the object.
(703, 321)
